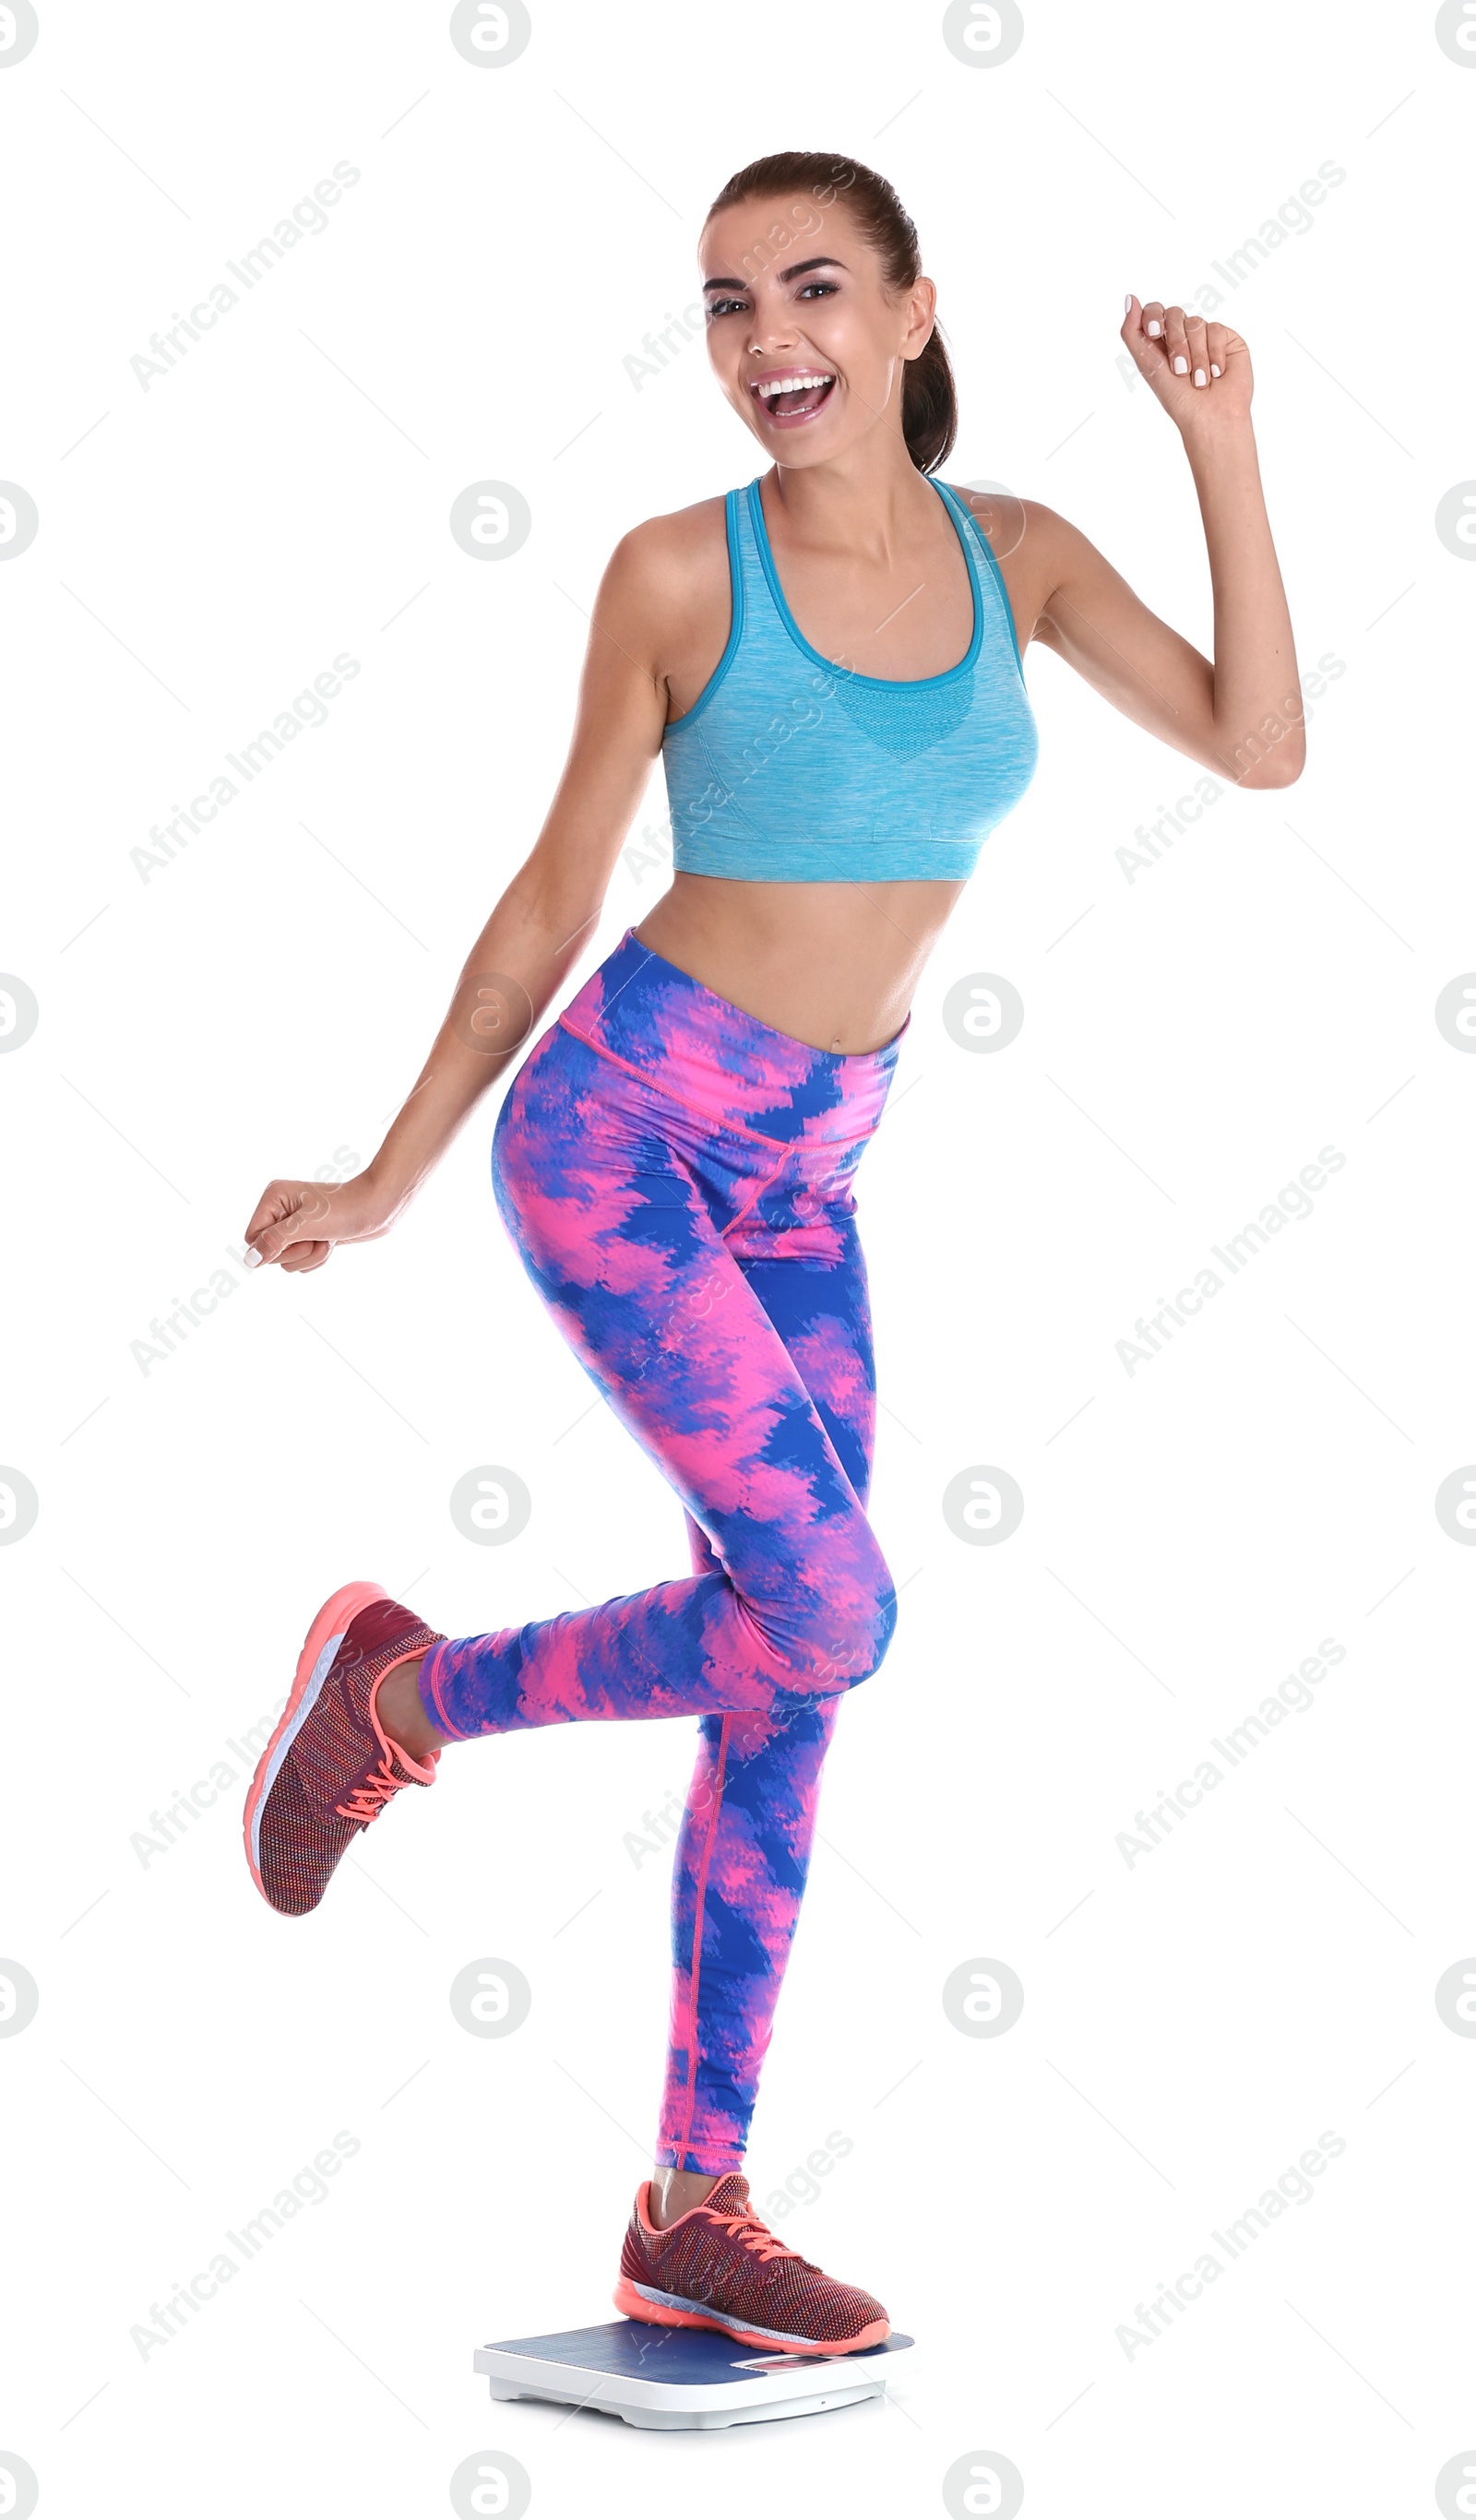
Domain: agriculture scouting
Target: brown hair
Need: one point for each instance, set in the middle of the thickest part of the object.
(929, 400)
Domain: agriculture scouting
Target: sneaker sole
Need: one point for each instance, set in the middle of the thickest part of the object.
(314, 1663)
(668, 2310)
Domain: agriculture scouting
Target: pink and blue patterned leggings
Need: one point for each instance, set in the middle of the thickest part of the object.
(676, 1176)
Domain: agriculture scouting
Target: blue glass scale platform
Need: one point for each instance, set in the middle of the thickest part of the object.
(674, 2379)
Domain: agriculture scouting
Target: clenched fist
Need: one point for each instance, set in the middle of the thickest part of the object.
(1199, 369)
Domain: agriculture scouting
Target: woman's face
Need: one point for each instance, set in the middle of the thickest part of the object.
(795, 299)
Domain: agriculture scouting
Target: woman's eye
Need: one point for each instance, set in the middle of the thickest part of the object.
(826, 288)
(723, 305)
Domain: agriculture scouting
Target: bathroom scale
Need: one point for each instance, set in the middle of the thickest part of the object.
(670, 2379)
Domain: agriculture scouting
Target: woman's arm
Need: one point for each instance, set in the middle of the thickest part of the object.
(538, 929)
(1241, 716)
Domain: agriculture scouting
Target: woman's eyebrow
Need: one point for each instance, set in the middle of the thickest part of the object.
(817, 262)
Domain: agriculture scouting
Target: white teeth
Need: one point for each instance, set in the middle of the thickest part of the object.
(769, 386)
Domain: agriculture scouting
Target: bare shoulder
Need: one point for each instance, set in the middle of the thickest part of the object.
(1037, 548)
(675, 566)
(1018, 529)
(666, 596)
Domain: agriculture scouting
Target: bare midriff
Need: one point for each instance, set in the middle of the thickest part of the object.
(834, 964)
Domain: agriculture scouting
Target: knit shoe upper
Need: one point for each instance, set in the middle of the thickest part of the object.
(719, 2266)
(329, 1769)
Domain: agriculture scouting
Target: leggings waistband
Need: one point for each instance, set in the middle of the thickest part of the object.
(647, 1015)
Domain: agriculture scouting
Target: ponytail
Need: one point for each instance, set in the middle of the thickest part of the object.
(930, 405)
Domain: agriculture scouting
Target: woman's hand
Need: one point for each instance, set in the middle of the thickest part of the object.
(1180, 351)
(296, 1223)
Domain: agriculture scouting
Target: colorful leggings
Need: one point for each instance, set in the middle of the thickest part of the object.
(677, 1178)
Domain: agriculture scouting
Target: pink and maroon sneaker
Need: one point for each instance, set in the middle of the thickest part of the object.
(330, 1767)
(719, 2266)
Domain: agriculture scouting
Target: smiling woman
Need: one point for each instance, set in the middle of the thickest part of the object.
(830, 661)
(877, 218)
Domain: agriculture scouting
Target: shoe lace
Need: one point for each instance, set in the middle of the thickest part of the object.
(369, 1797)
(754, 2234)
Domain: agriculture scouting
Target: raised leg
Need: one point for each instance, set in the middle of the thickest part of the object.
(796, 1603)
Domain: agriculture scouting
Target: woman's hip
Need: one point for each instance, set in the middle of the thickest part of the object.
(646, 1016)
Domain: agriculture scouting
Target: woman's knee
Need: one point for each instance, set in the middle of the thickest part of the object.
(881, 1626)
(845, 1643)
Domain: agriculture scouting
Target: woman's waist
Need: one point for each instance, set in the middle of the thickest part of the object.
(836, 965)
(693, 1040)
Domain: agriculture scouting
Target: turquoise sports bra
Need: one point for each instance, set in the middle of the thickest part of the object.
(787, 769)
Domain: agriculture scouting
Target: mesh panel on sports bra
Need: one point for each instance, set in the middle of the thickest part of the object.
(902, 721)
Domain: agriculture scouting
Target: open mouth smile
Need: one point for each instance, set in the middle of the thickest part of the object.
(793, 394)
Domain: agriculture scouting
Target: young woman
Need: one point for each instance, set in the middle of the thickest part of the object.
(829, 662)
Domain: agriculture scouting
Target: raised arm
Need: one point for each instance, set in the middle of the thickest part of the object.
(535, 934)
(1242, 715)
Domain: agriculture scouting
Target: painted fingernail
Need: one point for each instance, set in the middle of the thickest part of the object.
(251, 1260)
(1180, 366)
(1154, 329)
(1127, 303)
(1200, 376)
(1214, 371)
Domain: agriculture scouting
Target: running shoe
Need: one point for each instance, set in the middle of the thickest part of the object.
(330, 1767)
(718, 2265)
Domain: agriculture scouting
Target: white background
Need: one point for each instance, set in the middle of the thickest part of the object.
(1191, 1531)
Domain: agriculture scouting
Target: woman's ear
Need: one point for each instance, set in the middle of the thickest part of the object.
(923, 305)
